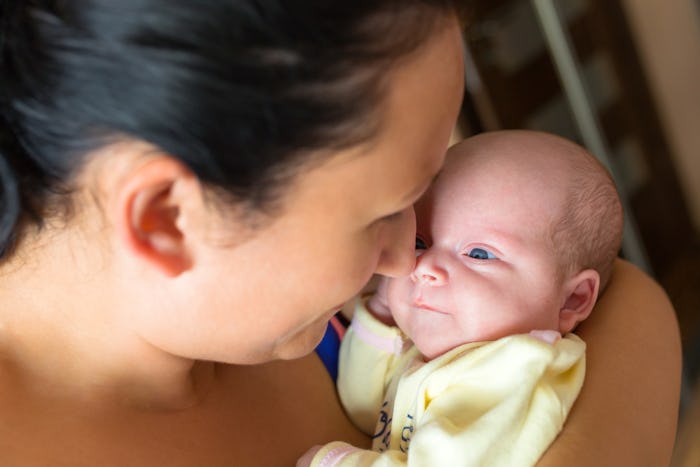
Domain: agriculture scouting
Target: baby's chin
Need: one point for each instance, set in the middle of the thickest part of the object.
(431, 350)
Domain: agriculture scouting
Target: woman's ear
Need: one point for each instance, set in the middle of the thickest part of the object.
(150, 202)
(581, 294)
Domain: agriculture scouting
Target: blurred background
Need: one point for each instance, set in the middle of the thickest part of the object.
(621, 77)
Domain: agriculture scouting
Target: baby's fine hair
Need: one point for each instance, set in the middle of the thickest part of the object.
(588, 234)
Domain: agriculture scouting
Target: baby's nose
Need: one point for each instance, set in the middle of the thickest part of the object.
(429, 271)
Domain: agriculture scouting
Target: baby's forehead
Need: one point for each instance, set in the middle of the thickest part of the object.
(520, 171)
(523, 158)
(523, 149)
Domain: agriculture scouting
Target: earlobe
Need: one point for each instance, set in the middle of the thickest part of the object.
(581, 294)
(148, 212)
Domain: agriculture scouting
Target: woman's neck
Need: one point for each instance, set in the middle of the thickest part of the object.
(62, 335)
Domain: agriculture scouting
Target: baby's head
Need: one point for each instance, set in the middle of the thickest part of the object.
(518, 232)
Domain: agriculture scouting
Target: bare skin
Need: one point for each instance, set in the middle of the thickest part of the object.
(285, 409)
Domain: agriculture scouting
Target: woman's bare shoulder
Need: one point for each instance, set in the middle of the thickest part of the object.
(287, 406)
(627, 411)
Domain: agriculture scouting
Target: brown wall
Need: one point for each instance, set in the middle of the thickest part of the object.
(668, 37)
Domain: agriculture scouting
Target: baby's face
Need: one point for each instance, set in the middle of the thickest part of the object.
(485, 267)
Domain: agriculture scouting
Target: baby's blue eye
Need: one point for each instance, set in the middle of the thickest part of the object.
(420, 244)
(480, 253)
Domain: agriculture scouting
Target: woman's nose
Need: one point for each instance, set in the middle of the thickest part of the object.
(398, 255)
(428, 269)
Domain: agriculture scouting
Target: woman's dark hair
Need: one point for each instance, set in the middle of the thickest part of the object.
(239, 91)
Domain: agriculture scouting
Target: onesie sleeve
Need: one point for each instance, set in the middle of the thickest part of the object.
(368, 355)
(340, 454)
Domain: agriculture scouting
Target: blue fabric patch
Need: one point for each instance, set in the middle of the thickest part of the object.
(328, 350)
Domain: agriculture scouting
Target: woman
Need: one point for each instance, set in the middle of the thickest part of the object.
(186, 183)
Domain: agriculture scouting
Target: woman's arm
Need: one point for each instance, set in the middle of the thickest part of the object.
(628, 408)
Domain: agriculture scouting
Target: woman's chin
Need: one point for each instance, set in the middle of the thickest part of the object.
(301, 343)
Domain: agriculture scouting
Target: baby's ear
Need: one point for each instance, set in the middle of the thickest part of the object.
(581, 293)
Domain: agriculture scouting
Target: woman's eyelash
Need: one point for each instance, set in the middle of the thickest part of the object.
(392, 216)
(388, 218)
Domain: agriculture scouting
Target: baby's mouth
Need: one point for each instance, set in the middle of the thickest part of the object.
(421, 304)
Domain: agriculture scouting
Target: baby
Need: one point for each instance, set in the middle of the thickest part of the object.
(470, 360)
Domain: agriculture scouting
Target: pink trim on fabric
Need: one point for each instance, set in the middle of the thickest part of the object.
(387, 344)
(547, 335)
(336, 455)
(338, 326)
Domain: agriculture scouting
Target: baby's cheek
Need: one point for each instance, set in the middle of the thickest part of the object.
(398, 293)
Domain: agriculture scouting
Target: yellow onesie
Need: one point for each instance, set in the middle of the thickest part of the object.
(498, 403)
